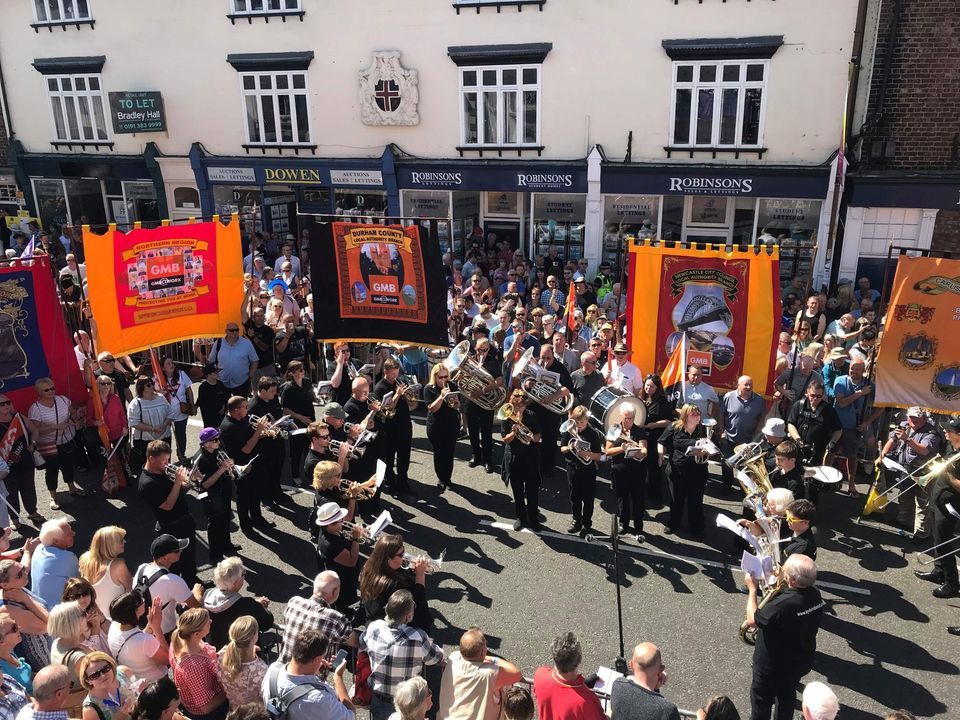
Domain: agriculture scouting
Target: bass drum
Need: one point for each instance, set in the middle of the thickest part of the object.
(606, 404)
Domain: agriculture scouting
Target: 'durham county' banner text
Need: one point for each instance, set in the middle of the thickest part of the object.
(376, 282)
(157, 286)
(34, 339)
(919, 358)
(722, 300)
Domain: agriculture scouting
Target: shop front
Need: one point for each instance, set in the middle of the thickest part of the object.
(730, 205)
(92, 189)
(267, 193)
(530, 205)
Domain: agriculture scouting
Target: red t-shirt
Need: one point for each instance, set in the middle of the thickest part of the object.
(559, 700)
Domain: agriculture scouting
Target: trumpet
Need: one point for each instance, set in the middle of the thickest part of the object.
(432, 565)
(577, 444)
(222, 457)
(354, 453)
(346, 531)
(351, 490)
(508, 411)
(363, 436)
(276, 428)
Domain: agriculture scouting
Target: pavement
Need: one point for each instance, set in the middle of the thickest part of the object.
(882, 645)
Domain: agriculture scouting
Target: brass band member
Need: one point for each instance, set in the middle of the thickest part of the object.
(383, 574)
(686, 469)
(786, 639)
(629, 474)
(789, 472)
(581, 477)
(521, 469)
(443, 422)
(393, 442)
(338, 553)
(911, 444)
(943, 490)
(801, 515)
(360, 413)
(215, 478)
(271, 448)
(480, 420)
(550, 421)
(327, 487)
(241, 441)
(319, 435)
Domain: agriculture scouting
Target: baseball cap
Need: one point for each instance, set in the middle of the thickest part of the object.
(166, 544)
(210, 368)
(208, 434)
(917, 412)
(334, 410)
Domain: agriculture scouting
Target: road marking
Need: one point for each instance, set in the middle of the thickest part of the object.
(653, 552)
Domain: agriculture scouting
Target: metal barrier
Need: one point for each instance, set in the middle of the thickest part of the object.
(605, 699)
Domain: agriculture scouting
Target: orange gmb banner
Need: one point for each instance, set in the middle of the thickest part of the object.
(918, 362)
(724, 302)
(380, 270)
(175, 282)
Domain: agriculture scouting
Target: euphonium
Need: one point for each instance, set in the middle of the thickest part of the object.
(538, 384)
(432, 565)
(471, 378)
(521, 431)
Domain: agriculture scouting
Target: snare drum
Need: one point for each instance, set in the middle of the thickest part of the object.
(606, 404)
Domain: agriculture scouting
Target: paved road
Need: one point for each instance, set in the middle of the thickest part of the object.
(883, 644)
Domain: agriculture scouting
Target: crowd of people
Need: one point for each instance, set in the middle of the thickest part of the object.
(97, 635)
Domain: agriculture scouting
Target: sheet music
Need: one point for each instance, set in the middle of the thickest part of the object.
(751, 565)
(953, 511)
(891, 464)
(730, 524)
(383, 520)
(367, 369)
(242, 470)
(746, 481)
(605, 678)
(381, 472)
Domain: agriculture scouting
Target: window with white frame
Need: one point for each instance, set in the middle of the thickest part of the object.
(260, 7)
(77, 108)
(500, 105)
(718, 103)
(275, 108)
(55, 11)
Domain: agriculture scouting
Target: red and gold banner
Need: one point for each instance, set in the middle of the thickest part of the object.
(919, 358)
(723, 301)
(175, 282)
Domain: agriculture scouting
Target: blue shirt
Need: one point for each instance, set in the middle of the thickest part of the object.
(740, 417)
(50, 569)
(233, 360)
(843, 387)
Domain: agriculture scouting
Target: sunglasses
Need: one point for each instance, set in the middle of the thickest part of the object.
(5, 402)
(619, 354)
(814, 397)
(323, 437)
(215, 440)
(49, 389)
(149, 383)
(233, 330)
(107, 360)
(99, 673)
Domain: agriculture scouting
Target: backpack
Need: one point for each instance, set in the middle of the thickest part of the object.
(141, 583)
(278, 704)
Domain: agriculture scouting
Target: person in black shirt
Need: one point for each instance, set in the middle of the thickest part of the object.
(215, 478)
(318, 433)
(384, 573)
(168, 500)
(294, 342)
(944, 490)
(521, 466)
(393, 441)
(787, 628)
(549, 420)
(337, 553)
(359, 413)
(212, 396)
(480, 420)
(660, 414)
(629, 473)
(789, 472)
(271, 447)
(107, 365)
(264, 340)
(242, 442)
(581, 476)
(443, 422)
(296, 400)
(341, 380)
(686, 469)
(800, 517)
(816, 428)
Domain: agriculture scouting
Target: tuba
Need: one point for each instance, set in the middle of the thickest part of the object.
(509, 412)
(470, 377)
(538, 384)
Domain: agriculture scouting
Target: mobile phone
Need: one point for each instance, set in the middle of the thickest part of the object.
(341, 657)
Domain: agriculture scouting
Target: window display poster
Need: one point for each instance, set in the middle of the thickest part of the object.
(145, 282)
(389, 284)
(505, 203)
(707, 210)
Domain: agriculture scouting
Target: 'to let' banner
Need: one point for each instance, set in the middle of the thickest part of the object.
(34, 339)
(174, 282)
(919, 358)
(724, 302)
(388, 284)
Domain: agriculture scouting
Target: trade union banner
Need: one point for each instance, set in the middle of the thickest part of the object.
(156, 286)
(34, 339)
(387, 284)
(919, 358)
(724, 302)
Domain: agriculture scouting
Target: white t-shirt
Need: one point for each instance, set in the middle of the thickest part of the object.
(60, 412)
(626, 377)
(700, 395)
(137, 653)
(170, 588)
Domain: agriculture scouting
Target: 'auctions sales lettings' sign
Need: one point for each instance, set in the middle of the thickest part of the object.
(137, 111)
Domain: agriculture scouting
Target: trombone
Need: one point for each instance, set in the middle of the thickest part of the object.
(433, 565)
(937, 461)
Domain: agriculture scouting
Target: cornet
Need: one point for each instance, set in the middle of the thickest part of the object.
(222, 457)
(363, 437)
(354, 491)
(346, 531)
(354, 453)
(275, 428)
(432, 565)
(171, 471)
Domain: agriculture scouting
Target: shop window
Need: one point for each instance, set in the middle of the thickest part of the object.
(8, 193)
(186, 198)
(249, 9)
(61, 13)
(76, 107)
(718, 104)
(276, 108)
(500, 106)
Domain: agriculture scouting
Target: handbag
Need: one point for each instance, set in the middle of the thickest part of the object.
(362, 692)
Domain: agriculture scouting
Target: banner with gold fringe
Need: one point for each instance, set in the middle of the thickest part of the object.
(723, 300)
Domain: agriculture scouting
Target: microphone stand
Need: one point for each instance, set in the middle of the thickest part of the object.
(619, 663)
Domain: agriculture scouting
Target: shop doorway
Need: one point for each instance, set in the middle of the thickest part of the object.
(508, 230)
